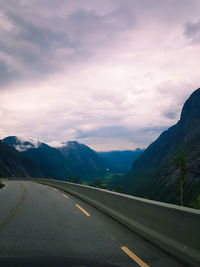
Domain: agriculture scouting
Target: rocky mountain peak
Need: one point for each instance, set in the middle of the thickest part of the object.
(69, 145)
(21, 144)
(72, 144)
(191, 108)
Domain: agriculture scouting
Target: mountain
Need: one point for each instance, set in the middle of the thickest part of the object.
(122, 160)
(71, 160)
(154, 173)
(21, 144)
(13, 163)
(51, 162)
(85, 161)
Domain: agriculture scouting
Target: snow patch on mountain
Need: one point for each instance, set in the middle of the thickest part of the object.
(23, 144)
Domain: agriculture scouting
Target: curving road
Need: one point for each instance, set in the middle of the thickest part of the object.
(41, 221)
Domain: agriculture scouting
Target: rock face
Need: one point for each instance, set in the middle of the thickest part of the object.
(154, 176)
(13, 163)
(191, 109)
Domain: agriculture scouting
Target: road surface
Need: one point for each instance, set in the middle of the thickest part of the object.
(41, 221)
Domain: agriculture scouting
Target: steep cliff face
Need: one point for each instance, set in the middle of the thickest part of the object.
(191, 108)
(154, 176)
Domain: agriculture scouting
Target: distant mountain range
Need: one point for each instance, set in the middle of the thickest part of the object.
(72, 160)
(155, 173)
(122, 160)
(37, 159)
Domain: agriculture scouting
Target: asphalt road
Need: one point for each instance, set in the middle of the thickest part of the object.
(42, 221)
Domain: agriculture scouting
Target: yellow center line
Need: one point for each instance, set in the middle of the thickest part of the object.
(134, 257)
(55, 189)
(65, 196)
(86, 213)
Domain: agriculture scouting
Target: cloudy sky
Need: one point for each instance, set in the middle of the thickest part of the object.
(112, 74)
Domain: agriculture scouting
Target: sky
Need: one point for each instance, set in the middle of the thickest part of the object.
(112, 74)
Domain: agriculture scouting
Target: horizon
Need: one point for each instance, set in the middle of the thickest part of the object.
(112, 75)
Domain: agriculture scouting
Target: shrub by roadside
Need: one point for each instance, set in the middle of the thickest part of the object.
(1, 185)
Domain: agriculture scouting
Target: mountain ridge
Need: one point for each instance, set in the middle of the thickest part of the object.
(152, 175)
(73, 159)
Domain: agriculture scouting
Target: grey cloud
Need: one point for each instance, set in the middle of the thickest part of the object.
(154, 129)
(170, 114)
(6, 74)
(97, 29)
(142, 135)
(192, 31)
(35, 45)
(105, 132)
(41, 36)
(84, 30)
(83, 20)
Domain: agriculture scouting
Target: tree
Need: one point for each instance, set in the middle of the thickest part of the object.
(76, 180)
(118, 188)
(69, 178)
(84, 183)
(97, 182)
(195, 203)
(182, 167)
(1, 185)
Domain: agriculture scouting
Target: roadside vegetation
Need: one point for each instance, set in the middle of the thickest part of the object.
(195, 203)
(108, 182)
(1, 184)
(111, 181)
(183, 185)
(182, 171)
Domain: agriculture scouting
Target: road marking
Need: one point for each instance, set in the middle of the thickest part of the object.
(55, 189)
(86, 213)
(65, 196)
(134, 257)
